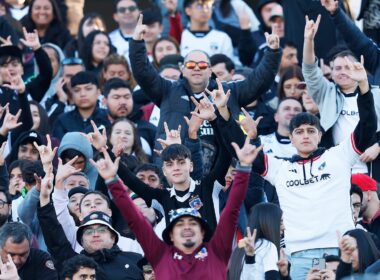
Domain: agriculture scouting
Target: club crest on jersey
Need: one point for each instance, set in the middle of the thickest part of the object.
(202, 254)
(322, 166)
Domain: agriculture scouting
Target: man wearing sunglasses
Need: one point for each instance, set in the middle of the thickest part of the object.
(126, 15)
(173, 97)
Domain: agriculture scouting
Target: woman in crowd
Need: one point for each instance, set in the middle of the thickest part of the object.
(357, 252)
(44, 17)
(90, 22)
(125, 142)
(162, 47)
(97, 46)
(292, 84)
(258, 260)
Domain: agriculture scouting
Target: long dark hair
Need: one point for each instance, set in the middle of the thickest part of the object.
(266, 219)
(86, 51)
(166, 38)
(44, 127)
(90, 16)
(136, 147)
(29, 23)
(290, 72)
(367, 250)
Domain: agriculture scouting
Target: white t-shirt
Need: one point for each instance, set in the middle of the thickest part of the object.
(345, 125)
(212, 42)
(315, 196)
(266, 258)
(282, 149)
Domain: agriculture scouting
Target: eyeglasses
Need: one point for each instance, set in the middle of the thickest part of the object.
(72, 61)
(2, 203)
(202, 65)
(92, 231)
(130, 9)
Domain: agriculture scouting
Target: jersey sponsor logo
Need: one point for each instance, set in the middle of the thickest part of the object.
(305, 182)
(214, 46)
(349, 113)
(177, 256)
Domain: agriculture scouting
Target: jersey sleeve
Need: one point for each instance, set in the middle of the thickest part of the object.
(270, 258)
(347, 151)
(272, 168)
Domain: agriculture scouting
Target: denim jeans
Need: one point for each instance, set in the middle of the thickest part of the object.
(301, 261)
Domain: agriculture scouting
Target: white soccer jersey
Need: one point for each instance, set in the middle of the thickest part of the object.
(212, 42)
(120, 43)
(279, 149)
(315, 196)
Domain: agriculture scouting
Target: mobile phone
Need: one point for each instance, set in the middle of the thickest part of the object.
(319, 263)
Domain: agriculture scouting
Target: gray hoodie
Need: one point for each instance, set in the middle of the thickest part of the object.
(76, 141)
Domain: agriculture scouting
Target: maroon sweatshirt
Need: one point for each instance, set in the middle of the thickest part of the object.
(209, 261)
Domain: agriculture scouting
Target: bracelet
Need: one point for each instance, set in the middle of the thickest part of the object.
(112, 180)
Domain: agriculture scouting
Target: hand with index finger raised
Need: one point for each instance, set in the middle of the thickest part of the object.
(140, 29)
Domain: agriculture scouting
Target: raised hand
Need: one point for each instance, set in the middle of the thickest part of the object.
(62, 96)
(194, 123)
(171, 6)
(97, 139)
(2, 153)
(119, 147)
(311, 27)
(64, 171)
(46, 152)
(8, 269)
(357, 73)
(106, 167)
(6, 42)
(244, 19)
(140, 29)
(3, 109)
(249, 125)
(206, 109)
(248, 153)
(172, 136)
(309, 104)
(330, 5)
(16, 83)
(219, 98)
(248, 243)
(10, 122)
(314, 274)
(46, 187)
(31, 39)
(347, 246)
(273, 41)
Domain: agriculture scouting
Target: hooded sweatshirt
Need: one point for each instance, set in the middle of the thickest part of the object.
(74, 140)
(51, 91)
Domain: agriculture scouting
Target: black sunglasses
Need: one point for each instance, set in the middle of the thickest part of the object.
(130, 9)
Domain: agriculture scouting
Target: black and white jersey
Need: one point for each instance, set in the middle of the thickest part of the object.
(277, 145)
(314, 194)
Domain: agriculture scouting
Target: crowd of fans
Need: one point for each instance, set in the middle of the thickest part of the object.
(200, 139)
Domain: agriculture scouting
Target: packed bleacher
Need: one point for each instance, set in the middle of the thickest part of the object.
(200, 139)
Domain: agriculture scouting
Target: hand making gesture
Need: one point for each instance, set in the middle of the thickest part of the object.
(140, 29)
(249, 125)
(248, 243)
(31, 39)
(10, 122)
(357, 73)
(273, 41)
(311, 28)
(206, 109)
(105, 166)
(8, 269)
(194, 123)
(64, 171)
(172, 137)
(97, 139)
(248, 153)
(46, 152)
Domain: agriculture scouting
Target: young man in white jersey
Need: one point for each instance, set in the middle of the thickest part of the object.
(337, 100)
(199, 35)
(313, 186)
